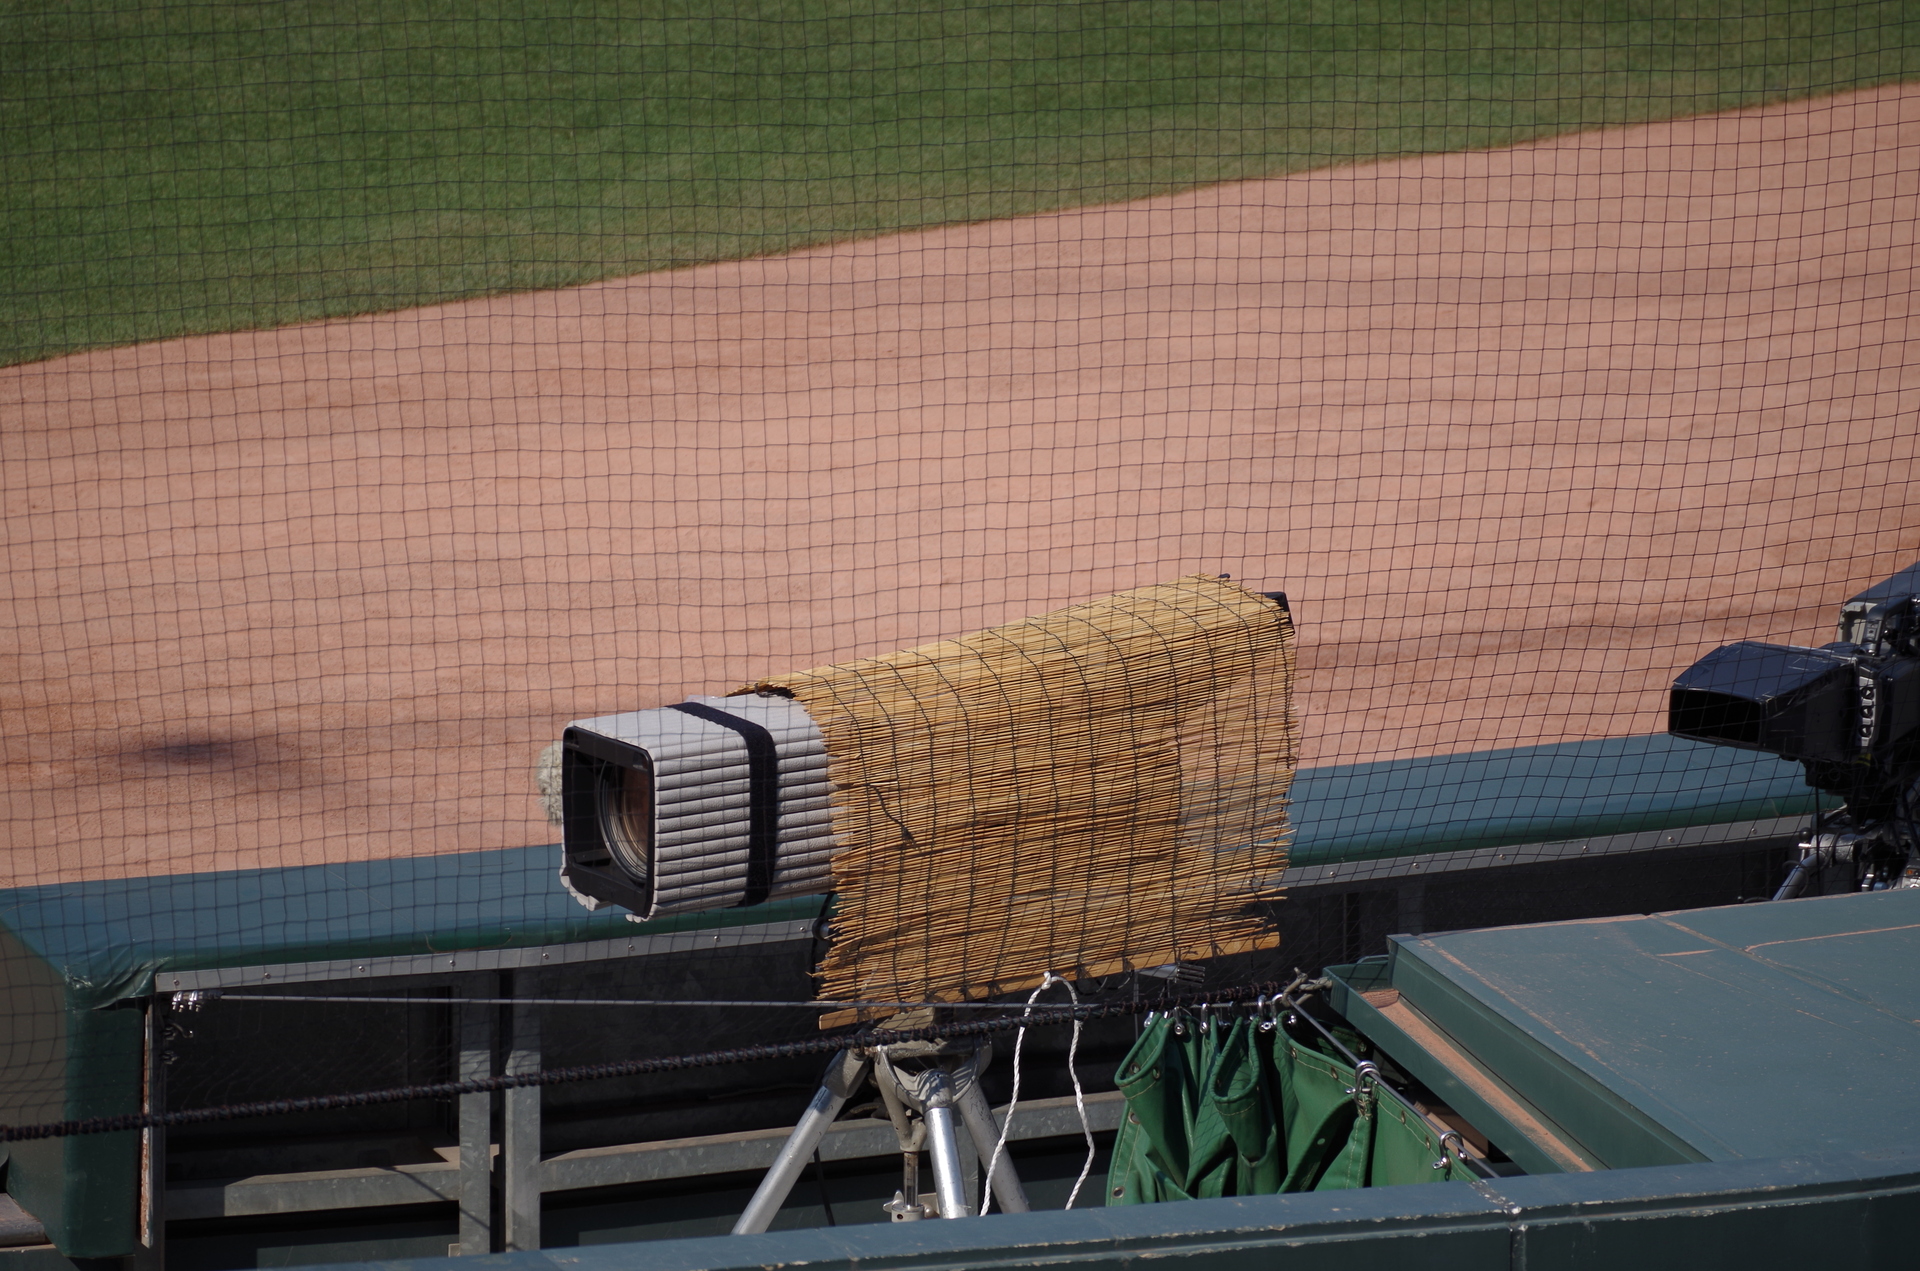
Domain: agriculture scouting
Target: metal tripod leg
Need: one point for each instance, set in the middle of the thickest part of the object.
(1006, 1181)
(842, 1078)
(944, 1146)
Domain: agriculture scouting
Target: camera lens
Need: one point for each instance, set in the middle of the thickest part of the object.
(626, 818)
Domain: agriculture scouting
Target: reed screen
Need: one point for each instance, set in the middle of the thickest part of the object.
(1096, 789)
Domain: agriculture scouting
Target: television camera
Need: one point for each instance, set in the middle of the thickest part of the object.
(1849, 712)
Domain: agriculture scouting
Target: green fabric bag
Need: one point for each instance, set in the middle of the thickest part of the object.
(1201, 1115)
(1241, 1091)
(1153, 1129)
(1405, 1148)
(1172, 1143)
(1327, 1147)
(1245, 1110)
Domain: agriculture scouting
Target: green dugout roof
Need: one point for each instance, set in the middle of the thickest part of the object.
(1742, 1032)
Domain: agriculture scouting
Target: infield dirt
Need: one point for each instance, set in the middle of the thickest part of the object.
(1521, 432)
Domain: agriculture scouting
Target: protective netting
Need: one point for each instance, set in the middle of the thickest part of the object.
(388, 387)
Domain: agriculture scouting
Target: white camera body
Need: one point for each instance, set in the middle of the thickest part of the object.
(711, 803)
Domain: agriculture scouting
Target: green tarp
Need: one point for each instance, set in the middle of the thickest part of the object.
(1239, 1108)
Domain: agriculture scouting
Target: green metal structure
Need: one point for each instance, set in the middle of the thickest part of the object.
(1721, 1088)
(1745, 1032)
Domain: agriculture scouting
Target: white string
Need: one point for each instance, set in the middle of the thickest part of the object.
(1079, 1102)
(1006, 1127)
(1079, 1097)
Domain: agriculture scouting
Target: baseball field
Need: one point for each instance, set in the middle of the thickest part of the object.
(1524, 405)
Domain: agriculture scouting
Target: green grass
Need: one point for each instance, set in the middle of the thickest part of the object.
(177, 168)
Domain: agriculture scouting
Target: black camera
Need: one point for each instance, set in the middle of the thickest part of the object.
(1849, 711)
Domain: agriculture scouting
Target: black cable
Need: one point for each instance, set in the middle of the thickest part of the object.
(730, 1003)
(601, 1072)
(820, 1177)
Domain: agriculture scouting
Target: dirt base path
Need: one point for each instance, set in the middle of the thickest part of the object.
(1520, 431)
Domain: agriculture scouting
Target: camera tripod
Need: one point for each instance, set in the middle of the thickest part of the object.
(921, 1085)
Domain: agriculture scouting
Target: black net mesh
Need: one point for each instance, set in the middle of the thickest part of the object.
(388, 386)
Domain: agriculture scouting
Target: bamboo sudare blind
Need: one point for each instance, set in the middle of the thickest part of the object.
(1091, 790)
